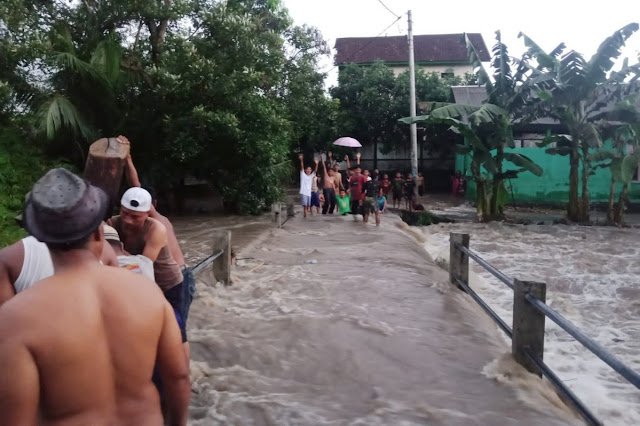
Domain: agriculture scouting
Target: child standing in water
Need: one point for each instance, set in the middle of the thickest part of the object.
(409, 191)
(398, 185)
(306, 178)
(344, 203)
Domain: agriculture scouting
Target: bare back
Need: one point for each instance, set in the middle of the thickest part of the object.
(86, 347)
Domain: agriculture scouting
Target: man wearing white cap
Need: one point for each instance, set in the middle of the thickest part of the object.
(143, 235)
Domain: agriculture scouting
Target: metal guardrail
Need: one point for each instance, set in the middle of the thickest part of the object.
(527, 334)
(206, 262)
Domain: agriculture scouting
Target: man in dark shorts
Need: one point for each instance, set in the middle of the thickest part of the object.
(356, 187)
(370, 205)
(140, 234)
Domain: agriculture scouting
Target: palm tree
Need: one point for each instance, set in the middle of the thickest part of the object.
(574, 91)
(79, 96)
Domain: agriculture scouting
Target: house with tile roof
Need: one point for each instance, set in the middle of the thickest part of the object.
(439, 53)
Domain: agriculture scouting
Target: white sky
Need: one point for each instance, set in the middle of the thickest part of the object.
(582, 25)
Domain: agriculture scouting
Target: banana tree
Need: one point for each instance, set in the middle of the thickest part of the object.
(574, 91)
(488, 128)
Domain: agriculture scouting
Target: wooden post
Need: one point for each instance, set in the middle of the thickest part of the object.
(276, 208)
(528, 324)
(458, 261)
(222, 265)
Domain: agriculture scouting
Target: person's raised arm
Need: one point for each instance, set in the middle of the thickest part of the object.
(346, 157)
(301, 157)
(316, 169)
(330, 159)
(19, 381)
(130, 171)
(174, 370)
(324, 167)
(358, 155)
(155, 241)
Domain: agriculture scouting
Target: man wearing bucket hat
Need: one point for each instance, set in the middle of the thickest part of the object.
(80, 347)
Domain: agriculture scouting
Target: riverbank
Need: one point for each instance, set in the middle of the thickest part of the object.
(335, 322)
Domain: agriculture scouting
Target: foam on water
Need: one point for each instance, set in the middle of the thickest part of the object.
(593, 279)
(371, 334)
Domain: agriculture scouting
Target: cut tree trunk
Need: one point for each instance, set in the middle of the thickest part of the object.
(105, 166)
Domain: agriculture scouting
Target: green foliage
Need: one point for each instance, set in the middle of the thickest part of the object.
(218, 90)
(577, 92)
(21, 164)
(371, 99)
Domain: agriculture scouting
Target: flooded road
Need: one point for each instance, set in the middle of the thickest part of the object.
(593, 279)
(334, 322)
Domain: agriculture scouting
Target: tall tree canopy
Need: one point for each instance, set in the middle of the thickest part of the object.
(217, 89)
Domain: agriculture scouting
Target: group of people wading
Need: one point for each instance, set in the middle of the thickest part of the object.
(360, 193)
(93, 310)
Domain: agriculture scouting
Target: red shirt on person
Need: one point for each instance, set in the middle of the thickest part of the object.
(386, 186)
(355, 185)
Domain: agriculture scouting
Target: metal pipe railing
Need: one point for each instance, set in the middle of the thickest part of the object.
(588, 342)
(486, 265)
(206, 262)
(503, 325)
(570, 397)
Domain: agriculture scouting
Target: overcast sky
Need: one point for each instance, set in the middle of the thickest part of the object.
(582, 25)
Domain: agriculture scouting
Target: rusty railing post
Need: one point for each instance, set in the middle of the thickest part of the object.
(458, 261)
(528, 324)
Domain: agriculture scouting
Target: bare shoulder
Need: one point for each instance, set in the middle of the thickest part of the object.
(161, 218)
(133, 282)
(12, 255)
(157, 226)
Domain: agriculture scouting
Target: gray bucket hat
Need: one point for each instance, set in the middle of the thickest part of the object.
(63, 208)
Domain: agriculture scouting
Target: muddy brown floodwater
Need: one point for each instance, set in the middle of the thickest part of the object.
(335, 322)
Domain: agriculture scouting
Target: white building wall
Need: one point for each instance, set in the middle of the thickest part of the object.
(458, 70)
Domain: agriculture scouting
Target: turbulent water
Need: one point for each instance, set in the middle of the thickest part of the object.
(334, 322)
(593, 279)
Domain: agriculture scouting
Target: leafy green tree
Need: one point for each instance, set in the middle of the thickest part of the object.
(573, 91)
(371, 99)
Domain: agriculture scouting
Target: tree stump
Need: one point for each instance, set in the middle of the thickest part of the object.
(105, 166)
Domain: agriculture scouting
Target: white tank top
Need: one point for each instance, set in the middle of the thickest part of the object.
(37, 264)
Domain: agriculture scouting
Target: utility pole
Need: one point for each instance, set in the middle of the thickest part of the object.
(412, 102)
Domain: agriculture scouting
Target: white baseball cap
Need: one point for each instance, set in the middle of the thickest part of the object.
(136, 199)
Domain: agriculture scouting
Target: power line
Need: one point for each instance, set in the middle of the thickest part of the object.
(390, 11)
(353, 55)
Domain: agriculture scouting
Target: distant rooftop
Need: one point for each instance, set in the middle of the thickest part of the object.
(439, 48)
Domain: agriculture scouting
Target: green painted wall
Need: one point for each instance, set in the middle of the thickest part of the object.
(553, 186)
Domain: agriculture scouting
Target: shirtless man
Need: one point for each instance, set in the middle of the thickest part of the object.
(89, 336)
(189, 281)
(337, 176)
(328, 189)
